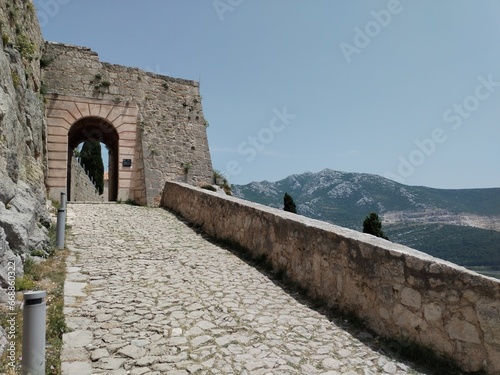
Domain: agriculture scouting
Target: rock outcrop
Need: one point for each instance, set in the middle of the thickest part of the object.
(23, 214)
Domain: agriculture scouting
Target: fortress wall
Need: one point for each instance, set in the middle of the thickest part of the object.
(169, 131)
(401, 293)
(81, 185)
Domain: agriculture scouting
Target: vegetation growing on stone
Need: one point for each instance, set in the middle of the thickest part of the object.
(16, 79)
(25, 47)
(221, 180)
(46, 60)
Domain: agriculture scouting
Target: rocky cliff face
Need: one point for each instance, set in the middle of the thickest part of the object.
(23, 214)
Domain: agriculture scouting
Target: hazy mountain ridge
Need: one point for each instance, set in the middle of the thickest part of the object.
(328, 192)
(408, 212)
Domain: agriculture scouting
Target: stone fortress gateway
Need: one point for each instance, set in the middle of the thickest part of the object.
(152, 125)
(154, 130)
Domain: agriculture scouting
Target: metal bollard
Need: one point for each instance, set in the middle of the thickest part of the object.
(34, 316)
(61, 222)
(60, 228)
(63, 201)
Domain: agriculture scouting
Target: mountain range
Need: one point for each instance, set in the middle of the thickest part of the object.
(459, 225)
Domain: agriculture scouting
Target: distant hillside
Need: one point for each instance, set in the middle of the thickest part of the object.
(462, 226)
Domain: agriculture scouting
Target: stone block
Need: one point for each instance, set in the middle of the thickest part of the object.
(55, 144)
(460, 329)
(411, 297)
(83, 108)
(63, 114)
(432, 312)
(488, 314)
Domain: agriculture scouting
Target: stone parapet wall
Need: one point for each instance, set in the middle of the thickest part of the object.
(82, 187)
(399, 292)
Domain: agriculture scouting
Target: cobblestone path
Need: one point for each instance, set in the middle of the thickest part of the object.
(145, 294)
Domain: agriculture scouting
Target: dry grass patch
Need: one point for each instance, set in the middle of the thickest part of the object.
(48, 275)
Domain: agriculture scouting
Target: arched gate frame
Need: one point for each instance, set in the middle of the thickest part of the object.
(71, 120)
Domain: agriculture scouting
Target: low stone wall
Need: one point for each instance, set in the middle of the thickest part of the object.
(401, 293)
(82, 189)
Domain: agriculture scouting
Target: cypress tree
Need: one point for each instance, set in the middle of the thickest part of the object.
(289, 204)
(372, 225)
(91, 158)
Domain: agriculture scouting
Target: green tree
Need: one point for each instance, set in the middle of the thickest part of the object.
(372, 225)
(91, 159)
(289, 204)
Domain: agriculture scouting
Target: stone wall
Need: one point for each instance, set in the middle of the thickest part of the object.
(171, 143)
(81, 186)
(401, 293)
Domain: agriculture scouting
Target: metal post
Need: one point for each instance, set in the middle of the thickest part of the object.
(34, 316)
(63, 200)
(60, 228)
(61, 222)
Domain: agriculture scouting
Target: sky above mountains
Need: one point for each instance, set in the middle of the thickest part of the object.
(409, 90)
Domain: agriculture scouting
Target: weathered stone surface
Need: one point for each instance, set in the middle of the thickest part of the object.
(411, 297)
(76, 368)
(82, 187)
(98, 354)
(7, 187)
(432, 311)
(22, 132)
(77, 339)
(175, 303)
(488, 313)
(165, 138)
(460, 329)
(132, 351)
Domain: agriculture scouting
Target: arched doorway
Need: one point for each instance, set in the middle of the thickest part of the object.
(95, 129)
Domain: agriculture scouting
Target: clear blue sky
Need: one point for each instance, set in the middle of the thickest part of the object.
(405, 89)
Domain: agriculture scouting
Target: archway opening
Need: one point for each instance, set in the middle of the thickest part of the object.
(100, 130)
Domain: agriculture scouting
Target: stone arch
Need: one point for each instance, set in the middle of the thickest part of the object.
(71, 120)
(95, 129)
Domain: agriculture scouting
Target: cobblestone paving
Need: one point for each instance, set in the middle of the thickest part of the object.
(145, 294)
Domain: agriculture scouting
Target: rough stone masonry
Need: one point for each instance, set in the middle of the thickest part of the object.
(398, 291)
(158, 120)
